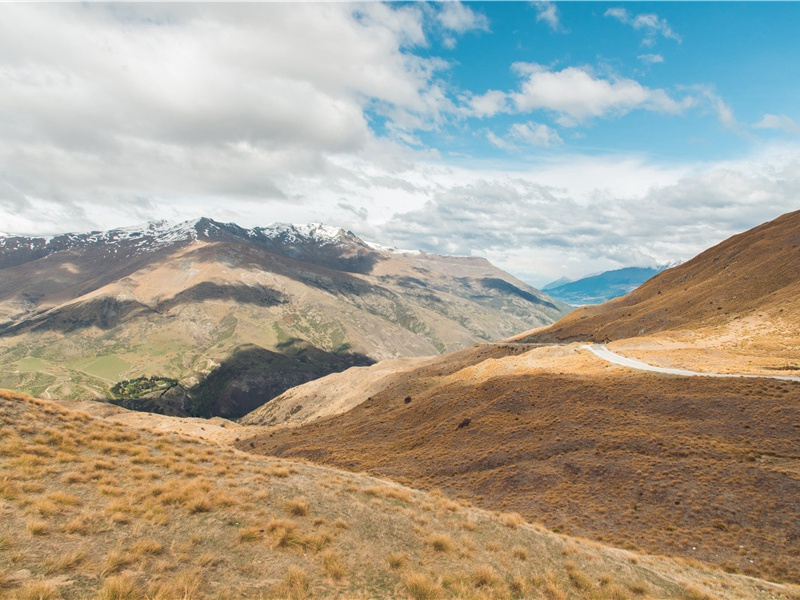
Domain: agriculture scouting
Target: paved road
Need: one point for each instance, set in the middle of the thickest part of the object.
(612, 357)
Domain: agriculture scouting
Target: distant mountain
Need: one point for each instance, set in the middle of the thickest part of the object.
(235, 315)
(557, 283)
(595, 289)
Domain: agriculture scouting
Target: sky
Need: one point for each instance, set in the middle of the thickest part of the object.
(555, 139)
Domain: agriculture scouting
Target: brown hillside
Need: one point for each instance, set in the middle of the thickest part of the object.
(92, 509)
(747, 285)
(696, 467)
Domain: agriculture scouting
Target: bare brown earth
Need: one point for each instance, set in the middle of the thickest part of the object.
(701, 468)
(91, 508)
(732, 308)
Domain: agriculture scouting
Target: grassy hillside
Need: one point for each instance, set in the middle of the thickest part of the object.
(95, 509)
(702, 468)
(739, 297)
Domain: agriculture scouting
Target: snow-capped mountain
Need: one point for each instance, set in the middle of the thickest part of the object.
(245, 312)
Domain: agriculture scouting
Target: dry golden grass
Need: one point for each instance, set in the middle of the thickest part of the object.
(297, 507)
(147, 539)
(334, 565)
(422, 587)
(440, 542)
(698, 458)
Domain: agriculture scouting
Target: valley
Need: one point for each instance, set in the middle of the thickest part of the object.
(582, 441)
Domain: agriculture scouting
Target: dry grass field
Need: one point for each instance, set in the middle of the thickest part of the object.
(702, 468)
(91, 508)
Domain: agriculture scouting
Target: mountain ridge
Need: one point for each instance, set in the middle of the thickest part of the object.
(79, 312)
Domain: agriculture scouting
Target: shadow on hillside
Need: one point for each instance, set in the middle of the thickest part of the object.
(106, 313)
(257, 295)
(253, 375)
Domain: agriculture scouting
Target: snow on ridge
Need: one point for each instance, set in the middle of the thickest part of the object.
(300, 232)
(392, 249)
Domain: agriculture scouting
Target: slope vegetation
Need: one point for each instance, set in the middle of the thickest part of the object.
(702, 468)
(95, 509)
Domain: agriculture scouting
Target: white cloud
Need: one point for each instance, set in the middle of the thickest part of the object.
(459, 18)
(108, 104)
(541, 224)
(548, 12)
(485, 105)
(779, 122)
(651, 59)
(526, 134)
(652, 25)
(577, 95)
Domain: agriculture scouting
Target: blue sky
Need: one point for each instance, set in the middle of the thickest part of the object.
(553, 138)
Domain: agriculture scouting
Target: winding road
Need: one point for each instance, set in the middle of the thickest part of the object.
(601, 351)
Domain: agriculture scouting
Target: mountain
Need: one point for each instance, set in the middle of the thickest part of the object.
(558, 282)
(594, 289)
(220, 318)
(737, 299)
(93, 508)
(699, 467)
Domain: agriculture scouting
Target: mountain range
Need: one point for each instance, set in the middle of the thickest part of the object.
(220, 318)
(601, 287)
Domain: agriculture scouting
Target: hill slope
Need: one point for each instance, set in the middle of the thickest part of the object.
(265, 309)
(95, 509)
(696, 467)
(739, 296)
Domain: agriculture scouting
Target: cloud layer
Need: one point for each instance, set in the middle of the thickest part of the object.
(116, 114)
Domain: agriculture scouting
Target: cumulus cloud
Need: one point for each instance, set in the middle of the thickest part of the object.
(548, 12)
(359, 211)
(526, 134)
(540, 230)
(575, 94)
(779, 122)
(458, 17)
(109, 103)
(651, 24)
(651, 59)
(484, 105)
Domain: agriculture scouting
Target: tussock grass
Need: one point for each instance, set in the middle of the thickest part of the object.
(121, 587)
(37, 527)
(296, 583)
(140, 530)
(397, 560)
(422, 587)
(440, 542)
(38, 591)
(334, 565)
(297, 507)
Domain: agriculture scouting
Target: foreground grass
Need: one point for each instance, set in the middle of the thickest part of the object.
(95, 509)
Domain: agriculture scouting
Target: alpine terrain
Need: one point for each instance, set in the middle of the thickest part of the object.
(219, 319)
